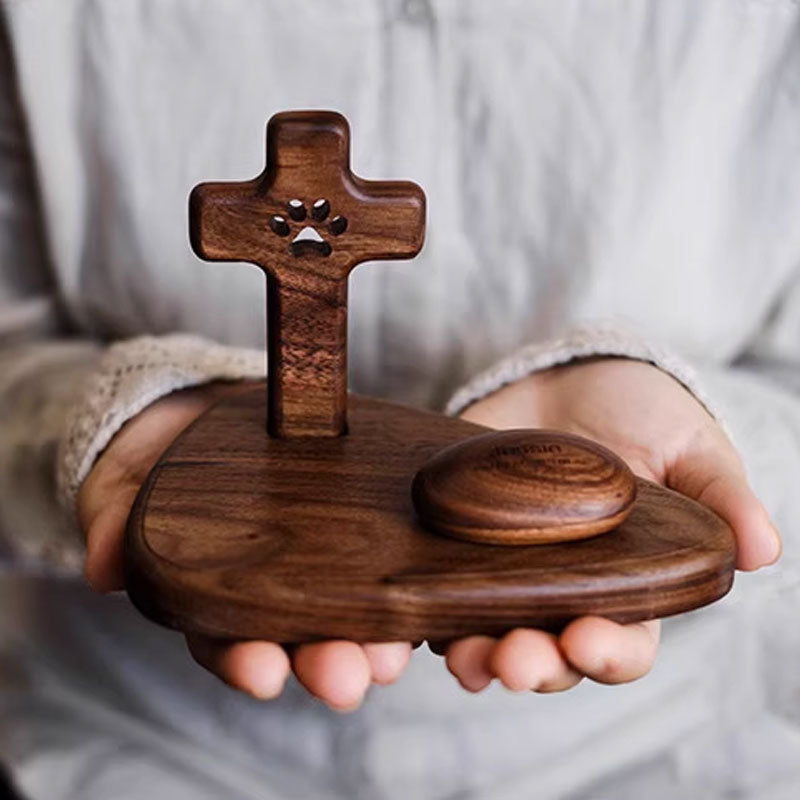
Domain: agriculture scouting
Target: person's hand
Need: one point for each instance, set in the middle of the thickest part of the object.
(338, 673)
(665, 435)
(633, 408)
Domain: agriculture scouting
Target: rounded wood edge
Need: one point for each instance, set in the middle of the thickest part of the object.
(159, 593)
(570, 532)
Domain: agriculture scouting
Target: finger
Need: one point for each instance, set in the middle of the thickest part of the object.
(468, 660)
(387, 660)
(104, 549)
(718, 482)
(530, 660)
(258, 668)
(338, 673)
(608, 652)
(757, 540)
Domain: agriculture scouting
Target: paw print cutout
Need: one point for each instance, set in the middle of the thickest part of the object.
(309, 239)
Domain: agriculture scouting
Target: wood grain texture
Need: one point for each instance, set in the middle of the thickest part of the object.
(307, 221)
(520, 487)
(239, 535)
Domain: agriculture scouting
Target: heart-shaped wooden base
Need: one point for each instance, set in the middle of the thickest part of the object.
(239, 535)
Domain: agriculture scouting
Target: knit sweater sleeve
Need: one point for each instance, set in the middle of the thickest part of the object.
(131, 375)
(587, 341)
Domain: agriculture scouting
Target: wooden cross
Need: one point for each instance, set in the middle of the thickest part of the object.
(307, 221)
(263, 565)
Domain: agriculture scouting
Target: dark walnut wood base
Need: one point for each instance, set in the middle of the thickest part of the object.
(242, 536)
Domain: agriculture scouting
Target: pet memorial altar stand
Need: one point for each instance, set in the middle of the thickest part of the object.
(294, 512)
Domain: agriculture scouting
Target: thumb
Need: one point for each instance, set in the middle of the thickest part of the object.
(712, 473)
(104, 547)
(109, 490)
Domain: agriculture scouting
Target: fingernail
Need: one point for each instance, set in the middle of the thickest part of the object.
(777, 545)
(344, 709)
(267, 691)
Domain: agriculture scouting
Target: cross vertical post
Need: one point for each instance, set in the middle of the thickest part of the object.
(307, 221)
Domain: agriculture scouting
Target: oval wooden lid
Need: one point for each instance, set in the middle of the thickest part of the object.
(524, 487)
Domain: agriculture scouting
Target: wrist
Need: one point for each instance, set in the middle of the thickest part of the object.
(530, 402)
(136, 447)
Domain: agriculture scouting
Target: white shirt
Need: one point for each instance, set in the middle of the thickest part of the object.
(583, 161)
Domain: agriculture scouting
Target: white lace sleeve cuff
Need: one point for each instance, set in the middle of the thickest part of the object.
(131, 375)
(602, 339)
